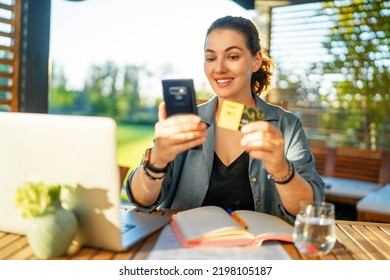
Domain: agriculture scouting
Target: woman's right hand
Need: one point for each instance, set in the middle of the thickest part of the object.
(174, 135)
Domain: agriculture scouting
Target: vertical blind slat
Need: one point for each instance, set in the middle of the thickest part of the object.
(336, 77)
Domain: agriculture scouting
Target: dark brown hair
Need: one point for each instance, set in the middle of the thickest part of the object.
(261, 80)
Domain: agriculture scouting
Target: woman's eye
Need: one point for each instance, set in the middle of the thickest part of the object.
(233, 57)
(210, 59)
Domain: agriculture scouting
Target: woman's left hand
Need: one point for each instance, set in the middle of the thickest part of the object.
(265, 142)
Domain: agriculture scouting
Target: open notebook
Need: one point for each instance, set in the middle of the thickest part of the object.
(209, 226)
(75, 150)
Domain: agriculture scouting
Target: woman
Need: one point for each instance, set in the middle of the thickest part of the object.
(266, 167)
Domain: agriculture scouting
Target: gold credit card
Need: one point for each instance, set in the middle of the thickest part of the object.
(235, 115)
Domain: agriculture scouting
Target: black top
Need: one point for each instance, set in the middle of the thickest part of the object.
(229, 185)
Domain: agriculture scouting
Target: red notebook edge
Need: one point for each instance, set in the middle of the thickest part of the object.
(202, 243)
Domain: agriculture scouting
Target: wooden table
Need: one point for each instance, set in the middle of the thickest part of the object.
(355, 241)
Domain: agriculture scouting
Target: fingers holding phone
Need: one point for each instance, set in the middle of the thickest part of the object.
(178, 133)
(179, 127)
(180, 100)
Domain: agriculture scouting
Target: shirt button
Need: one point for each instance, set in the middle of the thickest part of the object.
(253, 180)
(258, 202)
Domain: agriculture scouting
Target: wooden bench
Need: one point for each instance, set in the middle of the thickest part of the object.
(351, 174)
(320, 159)
(375, 206)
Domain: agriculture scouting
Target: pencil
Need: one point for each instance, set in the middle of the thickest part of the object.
(237, 218)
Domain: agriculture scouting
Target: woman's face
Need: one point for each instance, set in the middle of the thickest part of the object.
(229, 64)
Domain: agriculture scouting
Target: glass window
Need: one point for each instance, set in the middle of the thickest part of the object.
(333, 64)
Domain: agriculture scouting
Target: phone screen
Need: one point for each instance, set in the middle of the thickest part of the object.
(179, 96)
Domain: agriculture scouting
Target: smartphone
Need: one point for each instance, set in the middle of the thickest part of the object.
(179, 96)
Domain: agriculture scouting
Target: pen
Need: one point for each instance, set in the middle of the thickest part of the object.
(237, 218)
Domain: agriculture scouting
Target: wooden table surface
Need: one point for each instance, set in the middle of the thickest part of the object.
(355, 241)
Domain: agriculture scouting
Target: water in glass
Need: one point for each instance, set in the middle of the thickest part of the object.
(314, 232)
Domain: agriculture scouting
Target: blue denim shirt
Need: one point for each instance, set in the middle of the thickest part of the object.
(186, 183)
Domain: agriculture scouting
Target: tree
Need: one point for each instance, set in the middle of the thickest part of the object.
(100, 89)
(130, 92)
(61, 100)
(359, 44)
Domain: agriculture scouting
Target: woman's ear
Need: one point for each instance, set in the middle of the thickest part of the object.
(258, 60)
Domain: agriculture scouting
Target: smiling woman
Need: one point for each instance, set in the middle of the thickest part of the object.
(127, 47)
(266, 166)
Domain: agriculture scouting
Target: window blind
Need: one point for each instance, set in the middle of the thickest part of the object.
(9, 54)
(333, 60)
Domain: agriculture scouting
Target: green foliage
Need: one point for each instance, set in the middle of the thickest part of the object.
(340, 89)
(359, 45)
(36, 198)
(109, 91)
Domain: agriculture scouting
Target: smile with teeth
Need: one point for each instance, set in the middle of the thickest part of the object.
(223, 81)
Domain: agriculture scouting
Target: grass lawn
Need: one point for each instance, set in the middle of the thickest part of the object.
(132, 142)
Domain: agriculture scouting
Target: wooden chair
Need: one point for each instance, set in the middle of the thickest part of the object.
(123, 172)
(358, 164)
(319, 154)
(351, 174)
(282, 104)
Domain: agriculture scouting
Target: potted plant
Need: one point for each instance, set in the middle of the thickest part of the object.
(51, 227)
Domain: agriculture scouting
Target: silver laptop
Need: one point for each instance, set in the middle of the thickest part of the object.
(75, 150)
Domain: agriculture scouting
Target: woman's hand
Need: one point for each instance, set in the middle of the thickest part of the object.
(174, 135)
(265, 142)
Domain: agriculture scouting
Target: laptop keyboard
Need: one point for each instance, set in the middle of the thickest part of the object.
(126, 227)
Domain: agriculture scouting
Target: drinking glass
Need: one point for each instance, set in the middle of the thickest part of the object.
(314, 232)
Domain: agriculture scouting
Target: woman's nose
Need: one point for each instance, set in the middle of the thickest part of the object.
(220, 66)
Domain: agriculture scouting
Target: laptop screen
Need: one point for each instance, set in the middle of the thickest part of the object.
(56, 149)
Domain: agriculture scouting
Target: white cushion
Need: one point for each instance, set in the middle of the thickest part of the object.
(349, 188)
(378, 201)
